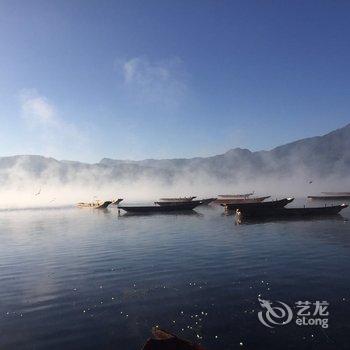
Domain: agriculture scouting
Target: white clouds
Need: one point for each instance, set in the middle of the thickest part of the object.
(162, 82)
(37, 110)
(51, 134)
(141, 71)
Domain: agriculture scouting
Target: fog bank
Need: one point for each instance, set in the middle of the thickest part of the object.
(44, 182)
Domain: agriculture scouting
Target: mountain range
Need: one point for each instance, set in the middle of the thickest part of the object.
(315, 156)
(321, 157)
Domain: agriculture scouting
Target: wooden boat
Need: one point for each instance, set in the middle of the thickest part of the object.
(258, 206)
(163, 340)
(161, 208)
(98, 204)
(117, 201)
(177, 199)
(95, 204)
(199, 202)
(331, 197)
(240, 200)
(331, 210)
(207, 201)
(164, 203)
(290, 212)
(228, 200)
(336, 193)
(244, 195)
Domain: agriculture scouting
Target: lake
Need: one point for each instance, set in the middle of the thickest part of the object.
(88, 279)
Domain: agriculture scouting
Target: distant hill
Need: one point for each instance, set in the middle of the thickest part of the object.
(285, 168)
(317, 156)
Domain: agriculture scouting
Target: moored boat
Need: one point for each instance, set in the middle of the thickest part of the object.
(259, 205)
(161, 208)
(163, 340)
(198, 201)
(177, 199)
(336, 193)
(331, 197)
(207, 201)
(281, 212)
(95, 204)
(98, 204)
(237, 200)
(244, 195)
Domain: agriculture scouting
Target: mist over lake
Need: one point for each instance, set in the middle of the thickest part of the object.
(301, 168)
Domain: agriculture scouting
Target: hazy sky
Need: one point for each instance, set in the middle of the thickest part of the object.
(85, 80)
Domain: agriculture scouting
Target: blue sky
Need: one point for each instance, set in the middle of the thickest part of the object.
(83, 80)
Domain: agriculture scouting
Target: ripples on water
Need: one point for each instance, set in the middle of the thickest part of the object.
(89, 279)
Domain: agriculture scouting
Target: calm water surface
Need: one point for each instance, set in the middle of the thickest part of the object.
(88, 279)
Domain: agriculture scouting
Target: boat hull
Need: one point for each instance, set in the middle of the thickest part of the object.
(116, 202)
(240, 200)
(160, 208)
(104, 205)
(258, 206)
(198, 202)
(330, 197)
(177, 200)
(244, 196)
(163, 340)
(207, 201)
(292, 212)
(337, 193)
(92, 205)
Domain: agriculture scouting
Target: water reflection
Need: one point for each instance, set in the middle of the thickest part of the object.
(78, 278)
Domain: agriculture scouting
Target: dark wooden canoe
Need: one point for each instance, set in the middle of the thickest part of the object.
(161, 208)
(259, 206)
(235, 196)
(239, 200)
(177, 199)
(171, 203)
(292, 212)
(162, 340)
(198, 202)
(207, 201)
(331, 197)
(332, 210)
(336, 193)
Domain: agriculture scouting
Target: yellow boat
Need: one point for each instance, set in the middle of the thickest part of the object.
(98, 204)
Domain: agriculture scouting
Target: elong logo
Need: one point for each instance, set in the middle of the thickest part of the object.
(274, 315)
(278, 313)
